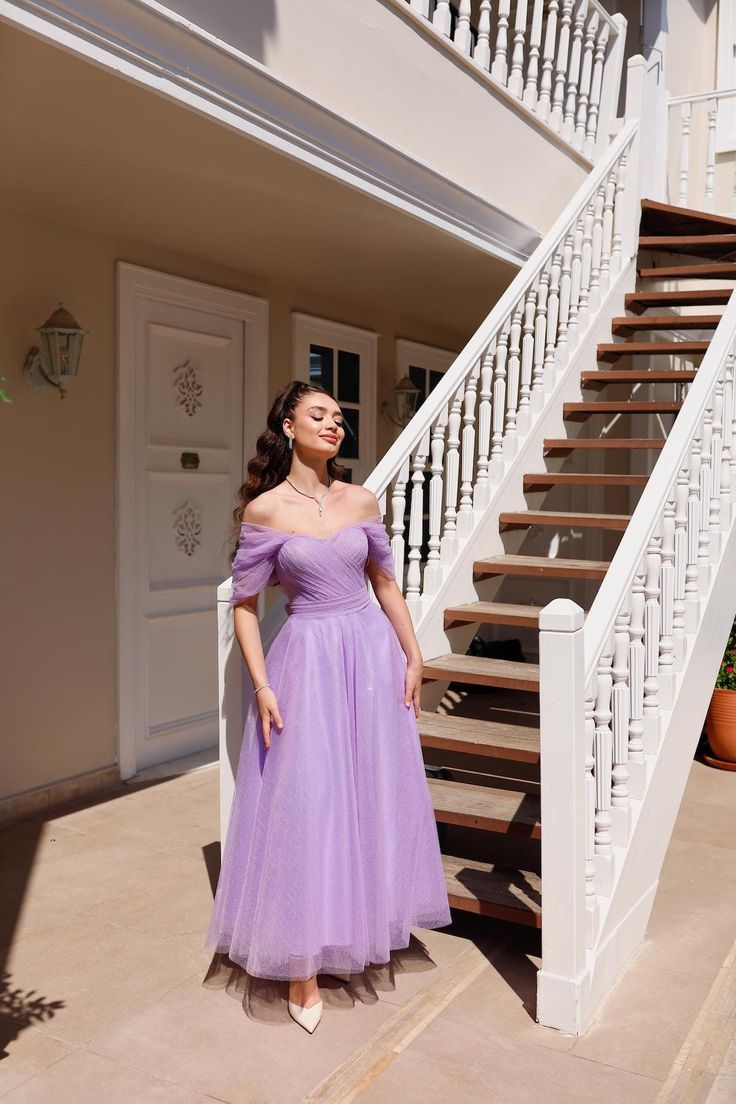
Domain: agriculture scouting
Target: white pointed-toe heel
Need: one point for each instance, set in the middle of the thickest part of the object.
(308, 1018)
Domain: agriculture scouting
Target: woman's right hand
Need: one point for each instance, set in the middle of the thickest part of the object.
(268, 711)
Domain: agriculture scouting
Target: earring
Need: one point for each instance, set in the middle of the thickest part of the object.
(291, 442)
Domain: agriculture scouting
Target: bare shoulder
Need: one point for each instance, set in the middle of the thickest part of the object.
(361, 501)
(260, 510)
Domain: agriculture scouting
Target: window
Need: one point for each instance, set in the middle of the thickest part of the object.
(342, 359)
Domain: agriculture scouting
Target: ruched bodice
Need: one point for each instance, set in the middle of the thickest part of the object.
(328, 578)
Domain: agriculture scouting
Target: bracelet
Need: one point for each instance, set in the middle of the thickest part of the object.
(262, 687)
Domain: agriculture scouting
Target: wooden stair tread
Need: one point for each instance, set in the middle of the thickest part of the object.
(567, 444)
(482, 671)
(614, 350)
(487, 807)
(698, 297)
(487, 889)
(596, 380)
(532, 566)
(711, 270)
(469, 735)
(624, 324)
(700, 245)
(686, 220)
(582, 479)
(520, 519)
(494, 613)
(579, 411)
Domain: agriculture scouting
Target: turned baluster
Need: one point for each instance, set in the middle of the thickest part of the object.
(499, 396)
(692, 577)
(527, 348)
(679, 627)
(726, 458)
(531, 88)
(436, 482)
(590, 803)
(705, 486)
(416, 519)
(599, 58)
(710, 156)
(553, 311)
(563, 46)
(667, 587)
(685, 120)
(540, 330)
(636, 671)
(544, 103)
(619, 214)
(603, 749)
(462, 38)
(573, 322)
(482, 51)
(596, 260)
(586, 263)
(573, 72)
(514, 362)
(731, 372)
(516, 76)
(620, 708)
(499, 69)
(607, 231)
(652, 623)
(716, 457)
(465, 512)
(482, 478)
(586, 75)
(565, 284)
(452, 468)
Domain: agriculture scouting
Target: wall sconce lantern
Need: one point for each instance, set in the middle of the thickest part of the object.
(57, 361)
(406, 401)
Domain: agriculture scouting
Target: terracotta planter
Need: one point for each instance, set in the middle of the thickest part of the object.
(720, 725)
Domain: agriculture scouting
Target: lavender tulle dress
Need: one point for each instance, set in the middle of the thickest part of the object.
(331, 855)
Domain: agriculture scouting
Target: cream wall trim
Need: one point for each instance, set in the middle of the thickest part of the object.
(307, 330)
(152, 46)
(134, 284)
(426, 356)
(726, 76)
(40, 800)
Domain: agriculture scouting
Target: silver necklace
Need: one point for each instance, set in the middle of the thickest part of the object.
(317, 500)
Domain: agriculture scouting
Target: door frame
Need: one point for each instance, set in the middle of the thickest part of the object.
(135, 283)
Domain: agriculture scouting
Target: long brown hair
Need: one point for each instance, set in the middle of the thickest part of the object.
(272, 460)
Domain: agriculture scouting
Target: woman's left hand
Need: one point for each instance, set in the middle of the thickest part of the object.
(413, 685)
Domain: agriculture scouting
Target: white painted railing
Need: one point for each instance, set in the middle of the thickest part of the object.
(561, 58)
(607, 689)
(696, 180)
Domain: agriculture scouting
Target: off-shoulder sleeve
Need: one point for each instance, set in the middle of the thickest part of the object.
(254, 565)
(379, 546)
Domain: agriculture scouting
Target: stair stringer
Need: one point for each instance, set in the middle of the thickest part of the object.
(457, 585)
(625, 914)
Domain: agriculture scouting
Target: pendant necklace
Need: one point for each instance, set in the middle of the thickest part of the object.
(317, 500)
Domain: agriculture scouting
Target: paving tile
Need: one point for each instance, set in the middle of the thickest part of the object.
(462, 1061)
(675, 935)
(723, 1090)
(645, 1021)
(86, 1078)
(202, 1039)
(96, 973)
(24, 1051)
(701, 822)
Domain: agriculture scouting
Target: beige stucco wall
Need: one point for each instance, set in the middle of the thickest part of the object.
(57, 556)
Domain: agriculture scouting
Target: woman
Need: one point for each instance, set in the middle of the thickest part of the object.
(331, 854)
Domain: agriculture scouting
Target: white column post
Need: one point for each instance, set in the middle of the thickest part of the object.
(563, 772)
(610, 87)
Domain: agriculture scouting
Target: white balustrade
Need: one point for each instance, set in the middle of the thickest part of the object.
(697, 180)
(561, 58)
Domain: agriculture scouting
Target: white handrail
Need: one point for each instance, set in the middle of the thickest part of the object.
(703, 97)
(386, 469)
(633, 545)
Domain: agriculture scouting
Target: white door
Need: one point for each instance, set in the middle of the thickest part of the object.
(184, 372)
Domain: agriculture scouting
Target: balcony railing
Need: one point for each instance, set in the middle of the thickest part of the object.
(698, 178)
(562, 59)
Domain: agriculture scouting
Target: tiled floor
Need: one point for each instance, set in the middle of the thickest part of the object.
(104, 908)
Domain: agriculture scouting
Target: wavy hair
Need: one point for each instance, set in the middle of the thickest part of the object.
(272, 460)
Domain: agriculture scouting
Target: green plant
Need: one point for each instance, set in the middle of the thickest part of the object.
(4, 396)
(727, 675)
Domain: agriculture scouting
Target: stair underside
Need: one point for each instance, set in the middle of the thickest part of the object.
(666, 218)
(501, 892)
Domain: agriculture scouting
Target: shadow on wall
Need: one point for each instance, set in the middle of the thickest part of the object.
(248, 27)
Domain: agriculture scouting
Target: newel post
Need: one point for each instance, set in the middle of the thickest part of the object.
(561, 980)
